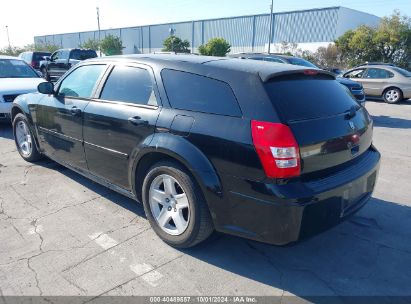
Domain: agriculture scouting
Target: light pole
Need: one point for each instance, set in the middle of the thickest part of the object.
(99, 31)
(8, 36)
(271, 26)
(172, 32)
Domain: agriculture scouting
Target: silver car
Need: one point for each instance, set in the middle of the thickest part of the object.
(391, 83)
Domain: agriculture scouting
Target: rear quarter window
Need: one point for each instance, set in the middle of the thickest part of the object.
(187, 91)
(307, 97)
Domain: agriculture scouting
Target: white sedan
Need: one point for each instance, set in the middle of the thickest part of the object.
(16, 78)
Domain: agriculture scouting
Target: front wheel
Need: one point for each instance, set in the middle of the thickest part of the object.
(392, 95)
(45, 73)
(175, 206)
(24, 139)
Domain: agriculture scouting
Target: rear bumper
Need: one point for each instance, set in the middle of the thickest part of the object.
(282, 214)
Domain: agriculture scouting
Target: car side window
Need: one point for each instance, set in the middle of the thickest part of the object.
(55, 56)
(378, 74)
(64, 55)
(187, 91)
(81, 82)
(271, 59)
(355, 74)
(130, 84)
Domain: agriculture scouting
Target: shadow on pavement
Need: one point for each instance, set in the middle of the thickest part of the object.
(6, 130)
(391, 122)
(368, 255)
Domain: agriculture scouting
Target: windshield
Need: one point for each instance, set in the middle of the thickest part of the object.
(12, 68)
(402, 71)
(302, 62)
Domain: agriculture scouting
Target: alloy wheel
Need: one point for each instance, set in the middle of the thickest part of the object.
(169, 204)
(392, 96)
(23, 138)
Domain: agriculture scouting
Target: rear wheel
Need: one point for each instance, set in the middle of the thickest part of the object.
(392, 95)
(24, 139)
(175, 206)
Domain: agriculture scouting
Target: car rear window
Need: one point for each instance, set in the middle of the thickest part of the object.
(193, 92)
(301, 97)
(402, 71)
(83, 54)
(39, 56)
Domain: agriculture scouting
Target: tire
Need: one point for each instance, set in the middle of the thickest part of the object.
(45, 73)
(392, 95)
(24, 139)
(194, 222)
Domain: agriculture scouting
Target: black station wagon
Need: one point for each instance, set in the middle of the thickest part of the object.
(269, 152)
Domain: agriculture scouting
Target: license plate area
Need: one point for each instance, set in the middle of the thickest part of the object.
(353, 196)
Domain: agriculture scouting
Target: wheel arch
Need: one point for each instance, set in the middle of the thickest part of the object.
(177, 149)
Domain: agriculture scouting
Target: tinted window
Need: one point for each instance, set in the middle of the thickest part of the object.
(129, 84)
(298, 98)
(402, 71)
(273, 59)
(302, 62)
(81, 82)
(83, 54)
(198, 93)
(11, 68)
(40, 56)
(378, 74)
(55, 56)
(355, 74)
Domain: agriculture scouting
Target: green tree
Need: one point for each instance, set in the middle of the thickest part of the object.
(215, 47)
(390, 42)
(12, 51)
(112, 45)
(176, 44)
(91, 44)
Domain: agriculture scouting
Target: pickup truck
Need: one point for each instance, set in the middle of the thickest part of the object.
(53, 67)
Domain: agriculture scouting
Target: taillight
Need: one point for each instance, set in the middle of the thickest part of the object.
(277, 148)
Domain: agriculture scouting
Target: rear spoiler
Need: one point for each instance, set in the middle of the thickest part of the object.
(308, 71)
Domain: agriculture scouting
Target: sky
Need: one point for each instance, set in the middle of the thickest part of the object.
(27, 18)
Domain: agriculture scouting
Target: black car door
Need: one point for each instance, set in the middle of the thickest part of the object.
(60, 116)
(119, 121)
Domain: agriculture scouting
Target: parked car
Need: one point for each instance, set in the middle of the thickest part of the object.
(62, 60)
(355, 88)
(16, 78)
(391, 83)
(34, 58)
(274, 153)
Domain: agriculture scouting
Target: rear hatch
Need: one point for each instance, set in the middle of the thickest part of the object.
(330, 127)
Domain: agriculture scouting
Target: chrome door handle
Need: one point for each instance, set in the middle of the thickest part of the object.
(137, 121)
(75, 111)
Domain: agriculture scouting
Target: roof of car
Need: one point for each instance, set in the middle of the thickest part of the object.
(263, 69)
(373, 66)
(9, 57)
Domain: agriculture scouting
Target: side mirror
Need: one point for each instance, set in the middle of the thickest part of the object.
(46, 88)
